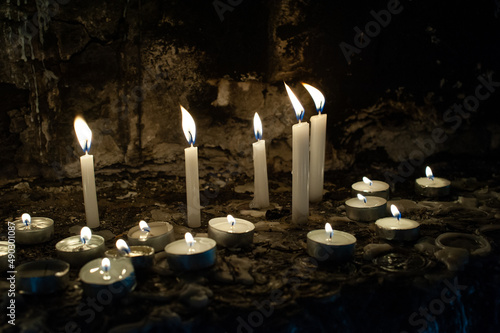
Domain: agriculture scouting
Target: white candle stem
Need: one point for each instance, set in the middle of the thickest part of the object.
(192, 187)
(300, 173)
(261, 186)
(89, 191)
(318, 141)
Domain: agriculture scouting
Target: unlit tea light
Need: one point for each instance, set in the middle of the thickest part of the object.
(365, 209)
(431, 186)
(33, 230)
(330, 245)
(78, 250)
(154, 234)
(396, 228)
(369, 187)
(191, 253)
(231, 232)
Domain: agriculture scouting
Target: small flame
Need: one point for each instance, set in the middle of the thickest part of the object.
(428, 173)
(362, 198)
(26, 218)
(317, 96)
(299, 109)
(188, 126)
(85, 235)
(367, 181)
(395, 212)
(83, 133)
(231, 220)
(329, 231)
(257, 126)
(123, 247)
(144, 226)
(105, 266)
(189, 240)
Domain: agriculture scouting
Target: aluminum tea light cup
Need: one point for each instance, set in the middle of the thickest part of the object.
(112, 276)
(42, 276)
(154, 234)
(476, 245)
(371, 188)
(34, 230)
(231, 232)
(142, 256)
(396, 228)
(431, 186)
(78, 250)
(330, 245)
(190, 254)
(366, 209)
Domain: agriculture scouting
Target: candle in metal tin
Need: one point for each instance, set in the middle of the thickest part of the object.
(78, 250)
(142, 256)
(154, 234)
(371, 188)
(231, 232)
(366, 208)
(190, 253)
(396, 228)
(431, 186)
(33, 230)
(330, 245)
(42, 276)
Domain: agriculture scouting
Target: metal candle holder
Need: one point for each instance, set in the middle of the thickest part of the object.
(141, 256)
(42, 276)
(162, 233)
(184, 261)
(336, 251)
(76, 254)
(241, 236)
(41, 230)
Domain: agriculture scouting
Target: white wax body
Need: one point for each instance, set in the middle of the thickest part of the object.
(392, 223)
(300, 173)
(192, 187)
(118, 270)
(317, 149)
(370, 202)
(339, 237)
(89, 192)
(376, 186)
(261, 187)
(436, 183)
(240, 227)
(180, 247)
(155, 231)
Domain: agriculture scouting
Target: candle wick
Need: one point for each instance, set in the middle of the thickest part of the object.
(192, 144)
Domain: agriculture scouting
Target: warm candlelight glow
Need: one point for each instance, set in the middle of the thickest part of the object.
(188, 126)
(362, 198)
(428, 173)
(257, 126)
(123, 247)
(395, 212)
(367, 181)
(26, 218)
(299, 109)
(105, 266)
(83, 133)
(144, 226)
(85, 235)
(329, 231)
(317, 96)
(189, 241)
(231, 220)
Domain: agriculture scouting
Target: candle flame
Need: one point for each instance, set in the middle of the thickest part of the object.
(123, 247)
(299, 109)
(189, 239)
(188, 126)
(26, 218)
(105, 264)
(395, 212)
(329, 231)
(362, 198)
(428, 173)
(85, 235)
(367, 181)
(231, 220)
(144, 226)
(257, 126)
(317, 96)
(83, 133)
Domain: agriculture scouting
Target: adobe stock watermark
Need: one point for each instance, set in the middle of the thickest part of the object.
(436, 307)
(11, 271)
(362, 39)
(221, 7)
(453, 116)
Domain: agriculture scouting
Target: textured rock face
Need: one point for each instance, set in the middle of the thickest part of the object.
(127, 66)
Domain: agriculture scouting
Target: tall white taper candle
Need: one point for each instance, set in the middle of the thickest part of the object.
(261, 188)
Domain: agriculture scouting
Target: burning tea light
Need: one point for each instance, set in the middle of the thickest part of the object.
(431, 186)
(42, 276)
(191, 253)
(231, 232)
(330, 245)
(78, 250)
(154, 234)
(396, 228)
(142, 256)
(116, 276)
(370, 187)
(261, 186)
(365, 209)
(33, 230)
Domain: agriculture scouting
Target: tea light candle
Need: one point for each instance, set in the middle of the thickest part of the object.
(78, 250)
(142, 256)
(300, 163)
(371, 188)
(44, 276)
(365, 208)
(192, 178)
(261, 187)
(431, 186)
(396, 228)
(190, 253)
(476, 245)
(84, 135)
(231, 232)
(330, 245)
(317, 148)
(33, 230)
(116, 276)
(154, 234)
(4, 256)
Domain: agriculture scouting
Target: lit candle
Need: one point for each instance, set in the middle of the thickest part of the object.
(154, 234)
(231, 232)
(300, 163)
(33, 230)
(192, 178)
(431, 186)
(396, 228)
(78, 250)
(261, 188)
(317, 149)
(84, 135)
(371, 187)
(365, 209)
(142, 256)
(330, 245)
(191, 253)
